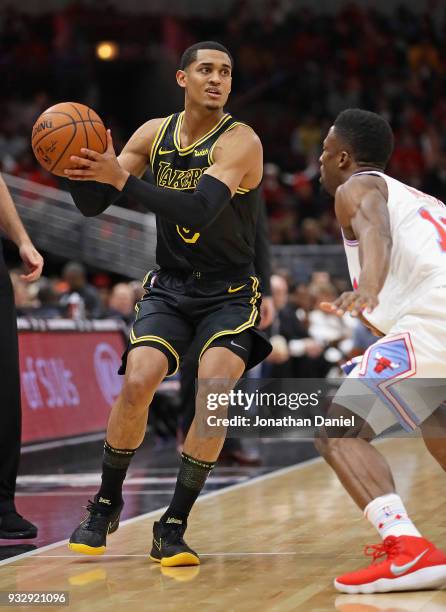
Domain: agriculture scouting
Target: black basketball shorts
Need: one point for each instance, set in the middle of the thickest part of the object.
(177, 311)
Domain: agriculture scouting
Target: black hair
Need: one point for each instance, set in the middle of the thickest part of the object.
(73, 267)
(368, 135)
(190, 55)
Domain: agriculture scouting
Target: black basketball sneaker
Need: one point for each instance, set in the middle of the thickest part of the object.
(168, 546)
(14, 527)
(91, 535)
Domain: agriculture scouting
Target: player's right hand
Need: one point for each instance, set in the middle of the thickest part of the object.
(353, 302)
(100, 167)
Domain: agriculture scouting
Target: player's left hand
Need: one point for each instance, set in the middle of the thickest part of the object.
(100, 167)
(267, 312)
(33, 261)
(353, 302)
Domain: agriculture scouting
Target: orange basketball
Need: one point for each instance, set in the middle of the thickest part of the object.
(62, 130)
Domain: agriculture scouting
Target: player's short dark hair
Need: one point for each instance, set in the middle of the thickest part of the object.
(368, 135)
(190, 55)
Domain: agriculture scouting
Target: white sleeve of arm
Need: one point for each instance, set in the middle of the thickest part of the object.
(297, 348)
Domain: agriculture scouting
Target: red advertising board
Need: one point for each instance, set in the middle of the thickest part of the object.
(69, 381)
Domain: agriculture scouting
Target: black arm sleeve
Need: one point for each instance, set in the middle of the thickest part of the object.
(262, 260)
(195, 210)
(91, 197)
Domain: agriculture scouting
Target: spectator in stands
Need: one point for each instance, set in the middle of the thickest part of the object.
(138, 290)
(311, 232)
(303, 191)
(294, 351)
(74, 275)
(26, 168)
(48, 301)
(327, 329)
(121, 304)
(280, 207)
(103, 283)
(13, 144)
(303, 302)
(407, 163)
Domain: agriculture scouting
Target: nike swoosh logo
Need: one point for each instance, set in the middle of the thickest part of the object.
(162, 151)
(112, 525)
(231, 290)
(239, 345)
(157, 545)
(397, 570)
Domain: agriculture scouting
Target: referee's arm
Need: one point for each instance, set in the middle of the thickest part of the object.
(13, 227)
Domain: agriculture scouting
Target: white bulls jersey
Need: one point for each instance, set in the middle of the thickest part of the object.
(418, 256)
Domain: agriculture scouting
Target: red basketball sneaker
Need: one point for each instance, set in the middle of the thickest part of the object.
(411, 564)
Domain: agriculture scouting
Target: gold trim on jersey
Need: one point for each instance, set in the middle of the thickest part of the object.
(158, 138)
(249, 323)
(233, 125)
(228, 129)
(134, 340)
(144, 280)
(239, 190)
(191, 147)
(211, 150)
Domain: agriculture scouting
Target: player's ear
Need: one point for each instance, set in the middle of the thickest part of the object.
(344, 159)
(181, 78)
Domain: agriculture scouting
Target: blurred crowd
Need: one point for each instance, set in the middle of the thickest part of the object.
(307, 342)
(294, 71)
(73, 296)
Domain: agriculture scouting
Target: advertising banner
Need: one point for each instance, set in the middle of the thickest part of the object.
(69, 381)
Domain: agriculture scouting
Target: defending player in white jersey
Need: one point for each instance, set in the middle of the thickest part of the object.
(395, 240)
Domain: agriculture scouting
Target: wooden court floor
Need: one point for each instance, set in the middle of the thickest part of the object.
(274, 543)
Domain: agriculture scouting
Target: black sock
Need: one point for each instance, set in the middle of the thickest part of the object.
(114, 470)
(191, 479)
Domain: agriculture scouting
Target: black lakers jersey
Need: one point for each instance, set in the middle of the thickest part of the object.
(229, 240)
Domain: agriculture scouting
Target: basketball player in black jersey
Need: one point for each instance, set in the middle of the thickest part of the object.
(207, 168)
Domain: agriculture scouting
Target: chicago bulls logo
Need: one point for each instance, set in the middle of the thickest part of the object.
(382, 363)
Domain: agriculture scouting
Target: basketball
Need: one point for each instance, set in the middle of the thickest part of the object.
(62, 130)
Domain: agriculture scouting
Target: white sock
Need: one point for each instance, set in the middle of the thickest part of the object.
(389, 516)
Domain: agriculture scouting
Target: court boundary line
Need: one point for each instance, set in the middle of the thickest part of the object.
(206, 496)
(93, 479)
(69, 441)
(145, 556)
(91, 437)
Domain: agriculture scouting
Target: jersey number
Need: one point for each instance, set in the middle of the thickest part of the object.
(185, 234)
(437, 223)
